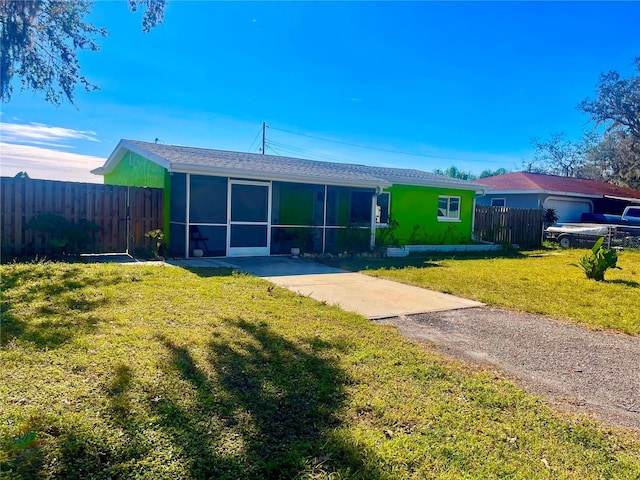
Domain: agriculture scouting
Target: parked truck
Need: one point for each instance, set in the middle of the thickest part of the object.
(619, 230)
(630, 217)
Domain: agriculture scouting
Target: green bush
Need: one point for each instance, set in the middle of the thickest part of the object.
(599, 261)
(63, 235)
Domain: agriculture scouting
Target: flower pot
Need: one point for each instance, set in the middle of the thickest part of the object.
(295, 251)
(197, 252)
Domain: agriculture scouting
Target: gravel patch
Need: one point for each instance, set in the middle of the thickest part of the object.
(596, 373)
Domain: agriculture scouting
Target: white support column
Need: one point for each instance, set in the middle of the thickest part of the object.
(187, 235)
(374, 204)
(324, 221)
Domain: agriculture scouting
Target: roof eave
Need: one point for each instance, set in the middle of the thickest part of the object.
(624, 199)
(268, 176)
(439, 184)
(119, 152)
(546, 192)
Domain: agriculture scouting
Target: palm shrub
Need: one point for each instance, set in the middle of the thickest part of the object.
(157, 237)
(599, 261)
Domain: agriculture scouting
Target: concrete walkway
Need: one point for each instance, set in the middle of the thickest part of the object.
(374, 298)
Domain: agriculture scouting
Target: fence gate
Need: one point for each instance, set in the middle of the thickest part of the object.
(520, 226)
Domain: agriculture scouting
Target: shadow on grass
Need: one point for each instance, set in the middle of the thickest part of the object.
(415, 260)
(53, 306)
(268, 414)
(208, 272)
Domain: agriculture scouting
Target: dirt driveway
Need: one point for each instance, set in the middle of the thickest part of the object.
(590, 372)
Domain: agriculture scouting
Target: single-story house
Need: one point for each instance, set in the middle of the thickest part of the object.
(569, 197)
(224, 203)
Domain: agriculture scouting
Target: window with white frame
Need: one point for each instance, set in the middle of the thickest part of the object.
(448, 208)
(498, 202)
(383, 203)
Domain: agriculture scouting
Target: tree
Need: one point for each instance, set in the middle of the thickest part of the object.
(493, 173)
(617, 105)
(613, 160)
(455, 172)
(560, 156)
(40, 40)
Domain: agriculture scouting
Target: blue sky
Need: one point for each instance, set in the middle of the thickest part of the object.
(442, 82)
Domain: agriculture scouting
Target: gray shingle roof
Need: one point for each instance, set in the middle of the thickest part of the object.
(215, 161)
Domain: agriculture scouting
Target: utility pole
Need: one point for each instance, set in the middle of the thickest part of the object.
(264, 135)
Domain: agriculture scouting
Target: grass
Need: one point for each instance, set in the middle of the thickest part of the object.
(166, 373)
(542, 282)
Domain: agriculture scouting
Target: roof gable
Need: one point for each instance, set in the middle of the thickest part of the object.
(223, 162)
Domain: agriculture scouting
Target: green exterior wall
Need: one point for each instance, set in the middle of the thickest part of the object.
(416, 211)
(136, 171)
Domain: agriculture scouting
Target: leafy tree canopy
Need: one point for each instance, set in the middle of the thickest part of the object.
(560, 156)
(493, 173)
(617, 104)
(40, 40)
(455, 172)
(616, 158)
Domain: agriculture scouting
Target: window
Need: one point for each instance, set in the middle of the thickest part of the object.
(382, 209)
(207, 200)
(348, 206)
(633, 212)
(498, 202)
(178, 201)
(448, 208)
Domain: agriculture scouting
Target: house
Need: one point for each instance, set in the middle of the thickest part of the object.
(569, 197)
(223, 203)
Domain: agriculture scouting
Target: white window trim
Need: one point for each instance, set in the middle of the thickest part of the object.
(449, 219)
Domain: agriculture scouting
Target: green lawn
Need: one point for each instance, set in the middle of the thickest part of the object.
(160, 372)
(541, 282)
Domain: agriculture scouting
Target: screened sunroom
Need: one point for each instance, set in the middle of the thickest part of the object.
(223, 203)
(224, 216)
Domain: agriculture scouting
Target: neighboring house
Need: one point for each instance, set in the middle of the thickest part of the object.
(239, 204)
(569, 197)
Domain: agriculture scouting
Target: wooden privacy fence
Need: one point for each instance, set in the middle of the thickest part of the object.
(520, 226)
(118, 211)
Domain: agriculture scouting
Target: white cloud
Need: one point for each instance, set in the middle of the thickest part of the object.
(42, 134)
(47, 164)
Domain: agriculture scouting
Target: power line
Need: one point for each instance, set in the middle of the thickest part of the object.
(439, 157)
(309, 153)
(254, 140)
(268, 145)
